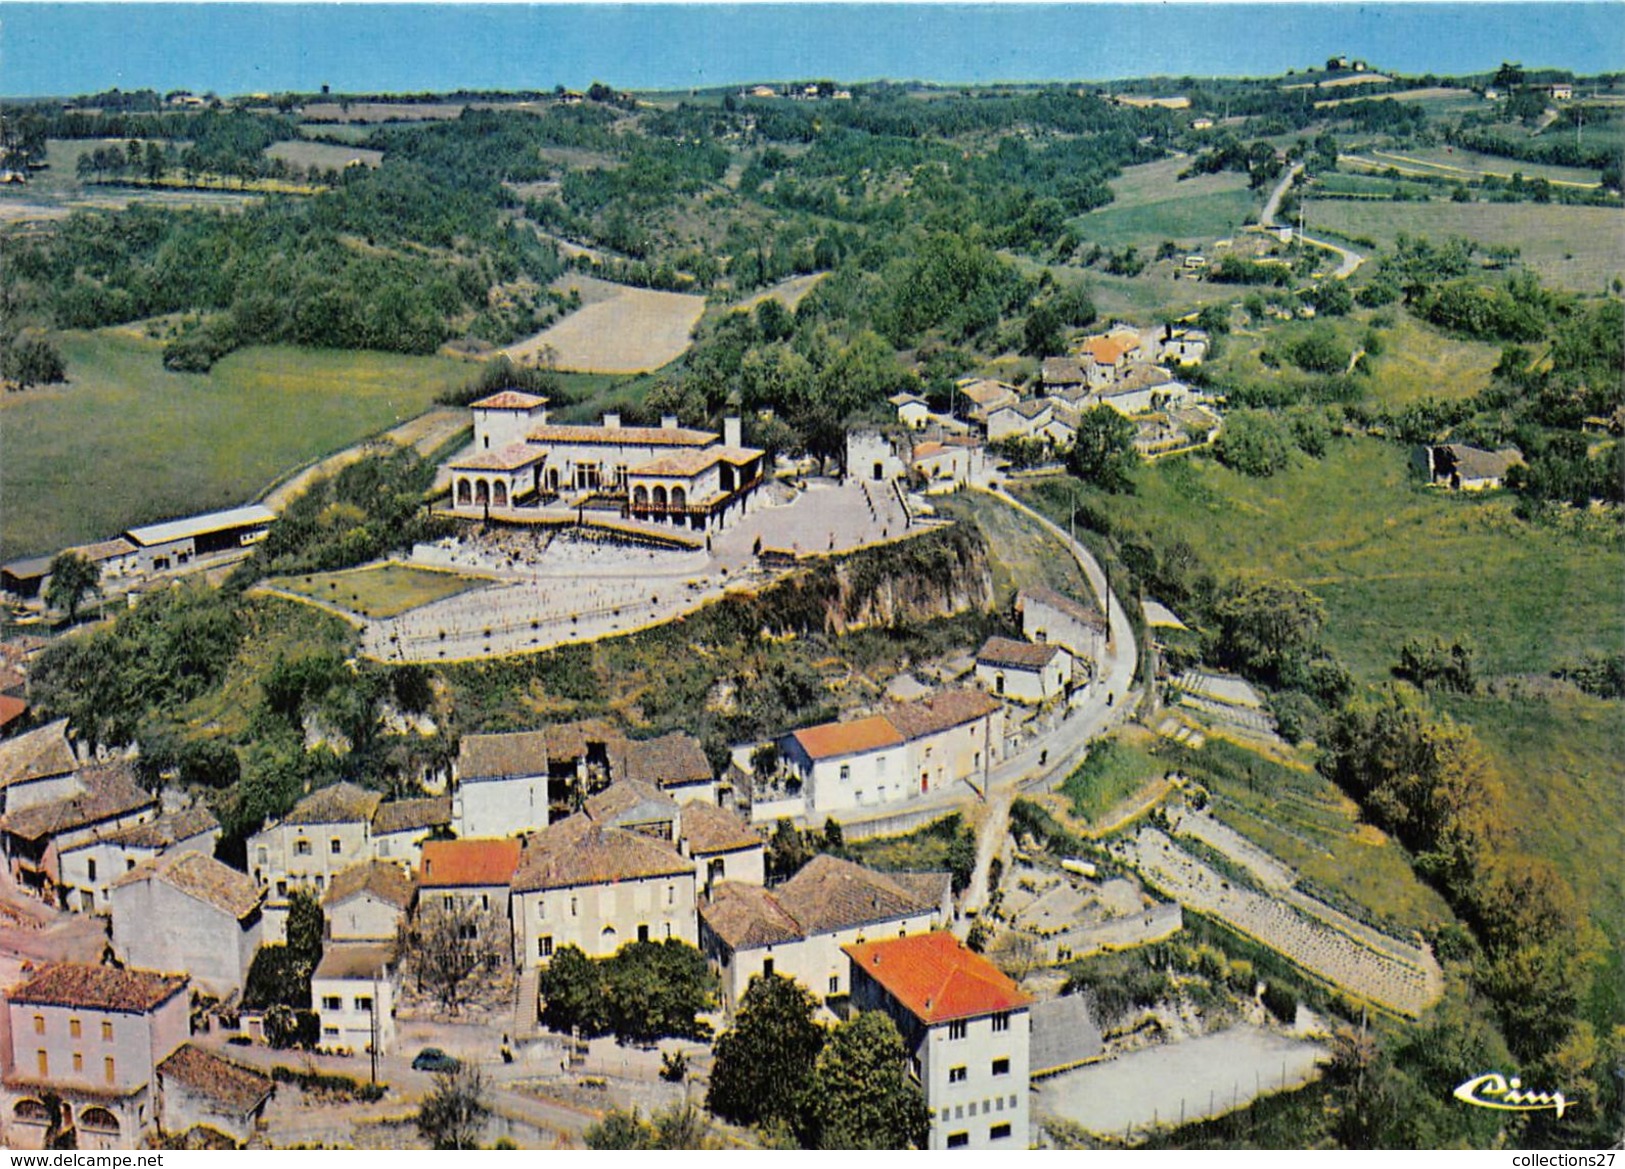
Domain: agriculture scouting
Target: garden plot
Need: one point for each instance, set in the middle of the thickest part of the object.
(1356, 959)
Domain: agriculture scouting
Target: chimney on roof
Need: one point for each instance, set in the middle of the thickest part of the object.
(612, 421)
(668, 422)
(731, 433)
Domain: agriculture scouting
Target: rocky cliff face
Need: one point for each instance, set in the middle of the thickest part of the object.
(938, 574)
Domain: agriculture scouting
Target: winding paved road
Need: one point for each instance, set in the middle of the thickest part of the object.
(1347, 261)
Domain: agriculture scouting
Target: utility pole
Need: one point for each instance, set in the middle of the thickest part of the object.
(372, 1020)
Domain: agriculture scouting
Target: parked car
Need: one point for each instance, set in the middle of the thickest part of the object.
(432, 1059)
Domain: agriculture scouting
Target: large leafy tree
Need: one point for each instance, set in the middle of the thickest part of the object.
(1269, 627)
(860, 1096)
(453, 1115)
(1103, 452)
(72, 577)
(764, 1064)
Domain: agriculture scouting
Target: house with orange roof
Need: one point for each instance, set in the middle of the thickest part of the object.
(848, 764)
(966, 1027)
(468, 876)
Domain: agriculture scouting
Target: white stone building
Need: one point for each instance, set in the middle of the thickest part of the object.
(91, 867)
(353, 992)
(1049, 617)
(187, 911)
(966, 1028)
(585, 884)
(1023, 672)
(367, 903)
(198, 1088)
(848, 765)
(797, 929)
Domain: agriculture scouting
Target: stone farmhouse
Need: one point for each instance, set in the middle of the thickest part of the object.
(187, 911)
(103, 799)
(666, 474)
(911, 748)
(330, 831)
(505, 784)
(1458, 467)
(94, 865)
(469, 876)
(112, 1045)
(966, 1028)
(367, 903)
(1024, 672)
(1052, 618)
(797, 929)
(627, 867)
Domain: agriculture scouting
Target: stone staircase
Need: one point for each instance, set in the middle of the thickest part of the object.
(524, 1003)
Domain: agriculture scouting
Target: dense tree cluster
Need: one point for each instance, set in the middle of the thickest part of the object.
(644, 992)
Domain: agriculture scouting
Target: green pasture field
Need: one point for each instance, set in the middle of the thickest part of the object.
(323, 154)
(379, 590)
(1453, 162)
(1577, 248)
(1375, 186)
(128, 442)
(1151, 204)
(1390, 558)
(1421, 362)
(1115, 769)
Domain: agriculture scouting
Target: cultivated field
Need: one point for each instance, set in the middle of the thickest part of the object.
(786, 292)
(128, 442)
(1453, 163)
(1578, 248)
(1152, 205)
(631, 331)
(380, 590)
(1433, 94)
(326, 155)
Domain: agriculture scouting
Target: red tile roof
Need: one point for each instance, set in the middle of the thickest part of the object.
(676, 436)
(1110, 349)
(508, 400)
(512, 457)
(11, 709)
(936, 978)
(37, 754)
(467, 863)
(100, 988)
(832, 740)
(941, 712)
(579, 851)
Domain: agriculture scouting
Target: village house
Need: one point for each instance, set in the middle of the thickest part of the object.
(505, 784)
(328, 831)
(948, 466)
(797, 929)
(1019, 670)
(1104, 356)
(1019, 420)
(912, 410)
(985, 395)
(38, 767)
(469, 876)
(199, 1089)
(93, 1036)
(93, 865)
(188, 912)
(594, 886)
(1185, 346)
(399, 827)
(911, 748)
(368, 902)
(846, 765)
(1141, 387)
(1064, 378)
(1049, 617)
(36, 837)
(722, 846)
(353, 992)
(1458, 467)
(966, 1028)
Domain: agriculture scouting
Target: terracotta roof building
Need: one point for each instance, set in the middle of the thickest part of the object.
(97, 988)
(966, 1027)
(341, 803)
(197, 1088)
(458, 864)
(42, 753)
(366, 903)
(1024, 671)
